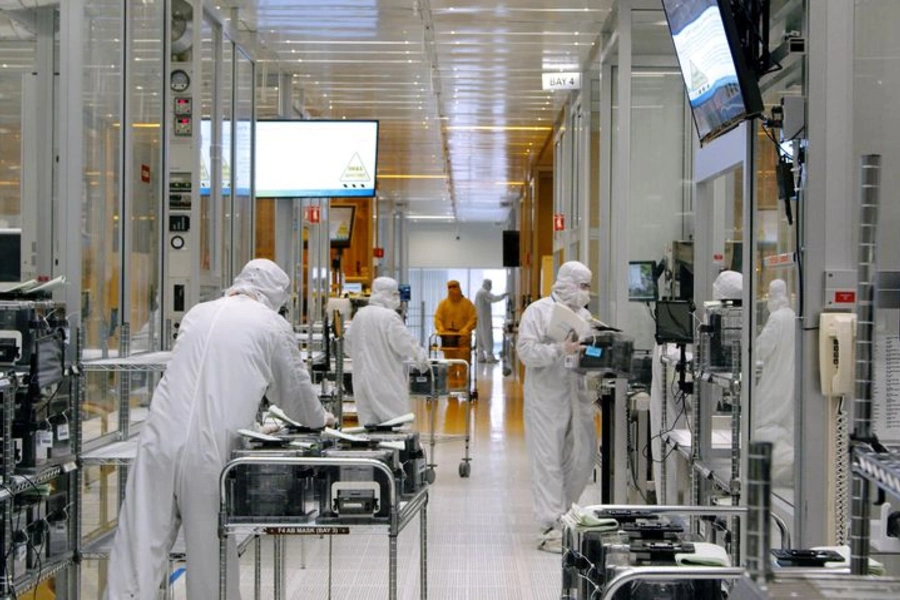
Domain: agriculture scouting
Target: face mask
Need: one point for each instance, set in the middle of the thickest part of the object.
(582, 298)
(393, 303)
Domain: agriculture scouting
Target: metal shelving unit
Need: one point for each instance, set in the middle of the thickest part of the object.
(881, 468)
(17, 481)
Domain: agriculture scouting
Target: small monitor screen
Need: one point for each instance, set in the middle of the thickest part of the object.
(642, 281)
(10, 255)
(353, 287)
(340, 221)
(674, 322)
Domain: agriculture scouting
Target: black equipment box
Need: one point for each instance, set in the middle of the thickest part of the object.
(352, 493)
(272, 492)
(412, 458)
(606, 351)
(432, 382)
(22, 322)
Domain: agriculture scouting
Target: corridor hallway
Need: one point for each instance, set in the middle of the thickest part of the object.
(481, 534)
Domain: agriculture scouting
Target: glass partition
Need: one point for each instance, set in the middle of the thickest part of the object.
(145, 114)
(659, 208)
(242, 154)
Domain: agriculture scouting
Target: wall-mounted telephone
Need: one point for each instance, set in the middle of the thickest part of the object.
(837, 353)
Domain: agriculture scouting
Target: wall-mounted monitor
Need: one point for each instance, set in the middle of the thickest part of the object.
(316, 159)
(340, 221)
(642, 281)
(721, 89)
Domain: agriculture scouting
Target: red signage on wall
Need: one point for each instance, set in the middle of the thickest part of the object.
(313, 214)
(145, 173)
(378, 252)
(559, 222)
(845, 297)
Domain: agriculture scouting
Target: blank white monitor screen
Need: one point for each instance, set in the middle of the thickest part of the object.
(316, 159)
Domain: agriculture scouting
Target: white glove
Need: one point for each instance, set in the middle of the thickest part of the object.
(329, 419)
(567, 347)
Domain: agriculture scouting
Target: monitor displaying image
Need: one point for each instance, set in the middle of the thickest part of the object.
(721, 89)
(340, 220)
(674, 322)
(642, 281)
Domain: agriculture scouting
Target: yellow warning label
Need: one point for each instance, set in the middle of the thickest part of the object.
(355, 171)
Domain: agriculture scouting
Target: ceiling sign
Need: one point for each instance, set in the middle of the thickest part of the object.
(562, 81)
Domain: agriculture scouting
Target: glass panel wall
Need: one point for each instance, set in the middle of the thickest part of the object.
(18, 53)
(243, 199)
(659, 209)
(145, 114)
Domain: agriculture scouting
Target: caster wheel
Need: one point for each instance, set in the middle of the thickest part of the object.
(507, 372)
(429, 476)
(464, 469)
(474, 395)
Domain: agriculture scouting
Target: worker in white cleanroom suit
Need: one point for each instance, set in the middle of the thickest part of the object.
(229, 353)
(728, 285)
(773, 405)
(484, 332)
(379, 344)
(559, 416)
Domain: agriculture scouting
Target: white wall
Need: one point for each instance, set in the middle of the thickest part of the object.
(447, 245)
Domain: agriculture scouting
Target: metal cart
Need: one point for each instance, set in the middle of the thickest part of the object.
(402, 511)
(432, 385)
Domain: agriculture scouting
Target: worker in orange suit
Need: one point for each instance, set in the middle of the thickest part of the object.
(455, 320)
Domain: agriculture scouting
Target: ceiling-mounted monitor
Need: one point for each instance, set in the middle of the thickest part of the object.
(316, 159)
(722, 90)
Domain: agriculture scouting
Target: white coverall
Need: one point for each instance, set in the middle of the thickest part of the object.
(559, 415)
(773, 409)
(484, 332)
(379, 343)
(229, 353)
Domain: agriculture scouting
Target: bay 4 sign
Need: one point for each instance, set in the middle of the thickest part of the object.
(561, 81)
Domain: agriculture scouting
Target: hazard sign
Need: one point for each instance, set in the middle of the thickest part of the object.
(355, 175)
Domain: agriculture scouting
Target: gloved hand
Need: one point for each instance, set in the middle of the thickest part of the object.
(270, 428)
(568, 347)
(329, 419)
(423, 367)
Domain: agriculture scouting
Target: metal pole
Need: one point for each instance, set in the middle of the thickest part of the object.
(759, 505)
(278, 566)
(423, 550)
(870, 181)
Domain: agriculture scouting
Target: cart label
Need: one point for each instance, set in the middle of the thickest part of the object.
(307, 530)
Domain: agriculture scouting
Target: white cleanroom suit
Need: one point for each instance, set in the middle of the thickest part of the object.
(228, 354)
(559, 416)
(484, 332)
(379, 344)
(773, 406)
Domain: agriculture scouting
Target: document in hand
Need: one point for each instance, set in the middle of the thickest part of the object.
(564, 323)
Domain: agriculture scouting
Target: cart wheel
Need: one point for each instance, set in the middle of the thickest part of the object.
(507, 371)
(464, 469)
(473, 395)
(429, 475)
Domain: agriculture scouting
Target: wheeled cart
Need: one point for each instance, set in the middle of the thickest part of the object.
(399, 511)
(432, 385)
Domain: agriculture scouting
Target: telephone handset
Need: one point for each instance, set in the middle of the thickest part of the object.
(837, 353)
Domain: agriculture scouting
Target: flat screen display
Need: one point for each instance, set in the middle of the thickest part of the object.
(10, 255)
(720, 89)
(316, 159)
(340, 222)
(642, 281)
(674, 322)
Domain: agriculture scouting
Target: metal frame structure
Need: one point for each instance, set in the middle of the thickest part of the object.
(402, 512)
